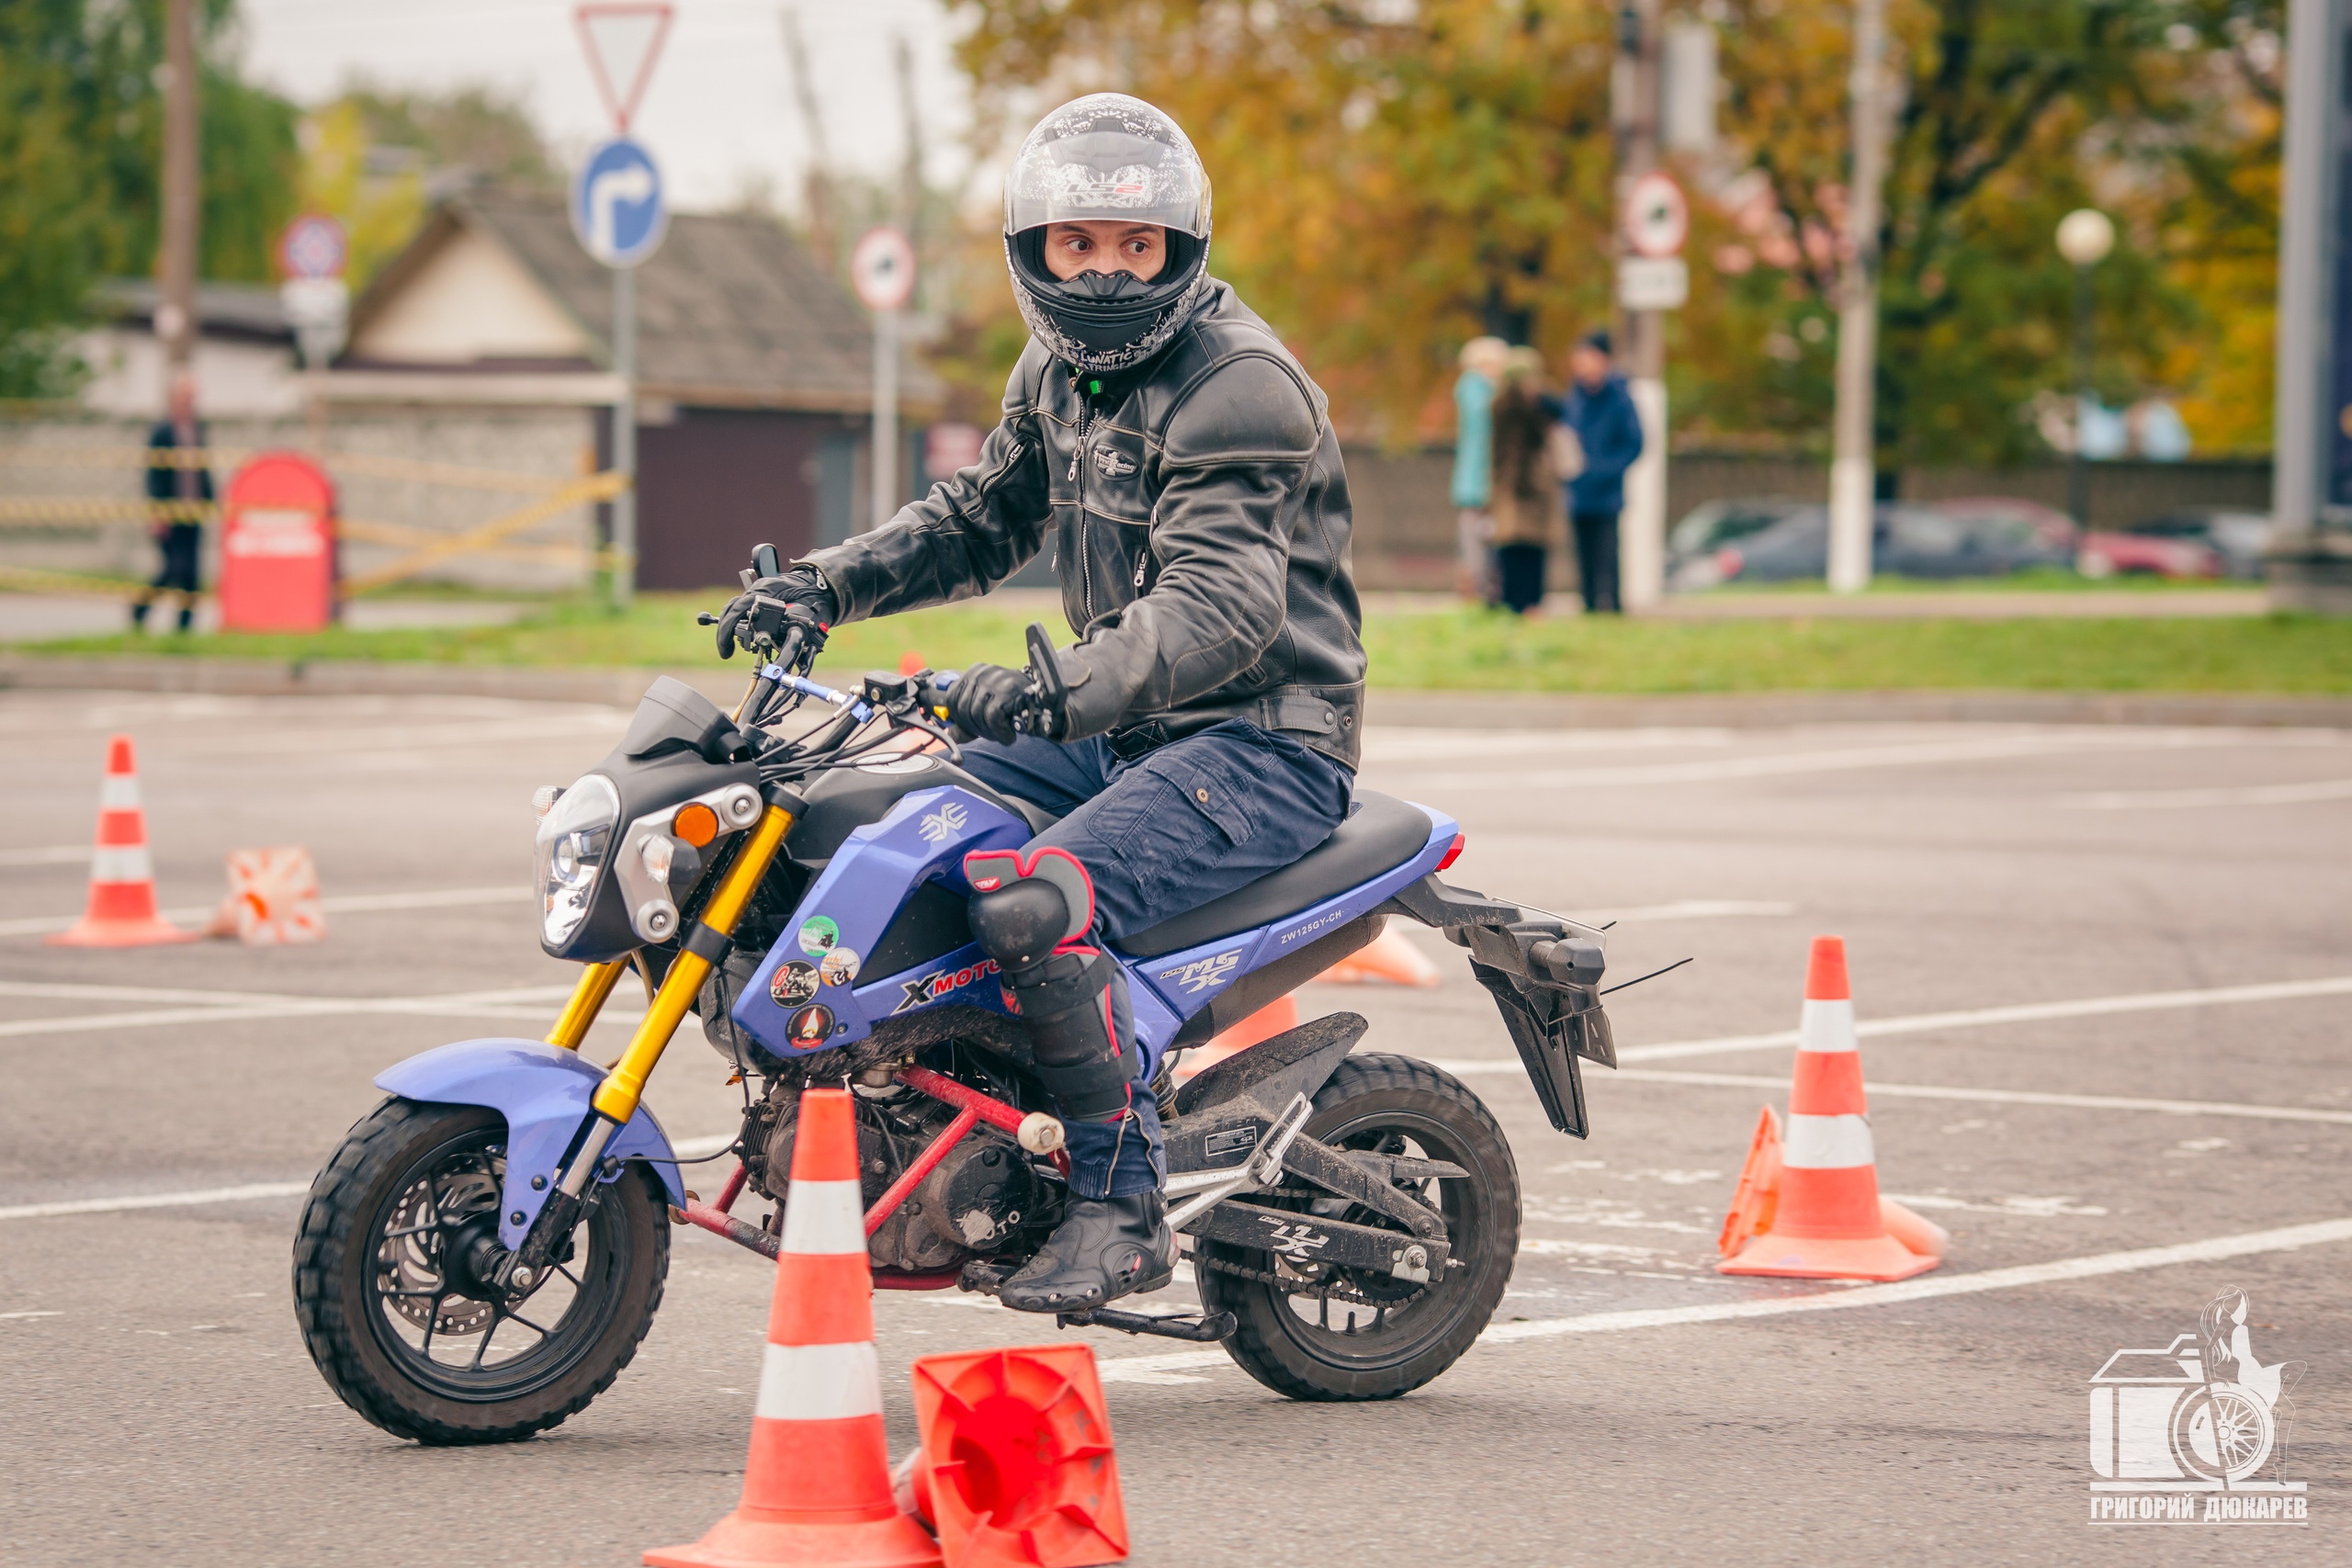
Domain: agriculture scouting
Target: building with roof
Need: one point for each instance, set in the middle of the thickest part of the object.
(755, 370)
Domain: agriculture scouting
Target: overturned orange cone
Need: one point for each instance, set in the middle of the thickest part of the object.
(1016, 1467)
(121, 911)
(1818, 1215)
(816, 1487)
(1387, 959)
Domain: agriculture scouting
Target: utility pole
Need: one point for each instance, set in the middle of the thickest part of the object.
(816, 180)
(175, 311)
(1641, 528)
(1853, 467)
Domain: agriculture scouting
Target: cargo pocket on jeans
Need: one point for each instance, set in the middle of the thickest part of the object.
(1219, 785)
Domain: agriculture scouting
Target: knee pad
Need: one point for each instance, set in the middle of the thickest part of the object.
(1029, 911)
(1026, 905)
(1074, 1006)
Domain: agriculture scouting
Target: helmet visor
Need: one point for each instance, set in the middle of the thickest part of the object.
(1107, 158)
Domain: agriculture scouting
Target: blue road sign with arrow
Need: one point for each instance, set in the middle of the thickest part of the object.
(616, 208)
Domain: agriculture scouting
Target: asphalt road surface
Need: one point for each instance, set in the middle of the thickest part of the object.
(2117, 957)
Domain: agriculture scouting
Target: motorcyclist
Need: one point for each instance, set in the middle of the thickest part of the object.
(1182, 467)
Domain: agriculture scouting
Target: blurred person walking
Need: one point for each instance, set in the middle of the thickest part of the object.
(178, 497)
(1483, 361)
(1524, 480)
(1607, 427)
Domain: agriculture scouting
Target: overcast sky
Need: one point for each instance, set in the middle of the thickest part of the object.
(718, 112)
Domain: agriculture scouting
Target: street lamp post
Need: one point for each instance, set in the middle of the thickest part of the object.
(2084, 236)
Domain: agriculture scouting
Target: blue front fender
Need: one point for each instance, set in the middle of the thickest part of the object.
(543, 1091)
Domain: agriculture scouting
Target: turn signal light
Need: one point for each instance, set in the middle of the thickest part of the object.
(698, 824)
(1454, 852)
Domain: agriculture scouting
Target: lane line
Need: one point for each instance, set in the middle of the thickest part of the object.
(56, 854)
(2015, 1097)
(687, 1148)
(1167, 1369)
(500, 1004)
(1703, 910)
(353, 904)
(2175, 799)
(1843, 760)
(156, 1200)
(2287, 1238)
(2028, 1012)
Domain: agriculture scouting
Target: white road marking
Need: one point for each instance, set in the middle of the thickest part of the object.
(2028, 1012)
(56, 854)
(501, 1004)
(1842, 760)
(156, 1200)
(686, 1148)
(1386, 744)
(32, 1315)
(1700, 910)
(2017, 1096)
(2178, 799)
(353, 904)
(1930, 1287)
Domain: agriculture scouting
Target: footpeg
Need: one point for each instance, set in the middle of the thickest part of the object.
(1209, 1328)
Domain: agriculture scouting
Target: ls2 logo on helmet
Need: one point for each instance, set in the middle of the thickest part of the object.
(924, 990)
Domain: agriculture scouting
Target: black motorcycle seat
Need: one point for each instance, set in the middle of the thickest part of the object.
(1382, 834)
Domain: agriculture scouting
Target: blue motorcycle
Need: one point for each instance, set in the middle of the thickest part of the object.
(483, 1255)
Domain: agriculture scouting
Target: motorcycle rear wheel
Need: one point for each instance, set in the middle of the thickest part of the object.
(1377, 1336)
(405, 1334)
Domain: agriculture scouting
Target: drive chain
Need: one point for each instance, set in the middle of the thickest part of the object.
(1290, 1284)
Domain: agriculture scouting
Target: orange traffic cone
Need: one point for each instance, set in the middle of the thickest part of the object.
(1387, 959)
(816, 1487)
(123, 878)
(1821, 1219)
(1017, 1468)
(1273, 1019)
(911, 663)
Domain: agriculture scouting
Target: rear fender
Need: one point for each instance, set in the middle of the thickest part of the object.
(544, 1092)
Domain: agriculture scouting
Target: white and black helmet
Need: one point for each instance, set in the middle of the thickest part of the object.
(1106, 156)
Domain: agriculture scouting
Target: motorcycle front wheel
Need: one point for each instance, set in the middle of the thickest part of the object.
(389, 1293)
(1314, 1332)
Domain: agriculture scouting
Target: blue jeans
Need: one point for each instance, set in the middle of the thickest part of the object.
(1163, 834)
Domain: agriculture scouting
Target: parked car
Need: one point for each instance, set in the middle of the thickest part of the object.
(1692, 542)
(2007, 514)
(2180, 544)
(1982, 539)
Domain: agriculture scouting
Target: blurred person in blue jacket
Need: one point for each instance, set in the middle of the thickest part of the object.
(1484, 360)
(1600, 413)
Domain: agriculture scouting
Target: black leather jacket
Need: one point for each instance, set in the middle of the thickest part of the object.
(1198, 513)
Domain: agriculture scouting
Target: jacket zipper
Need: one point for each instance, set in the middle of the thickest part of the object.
(1085, 566)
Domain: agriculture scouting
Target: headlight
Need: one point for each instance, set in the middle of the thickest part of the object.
(575, 841)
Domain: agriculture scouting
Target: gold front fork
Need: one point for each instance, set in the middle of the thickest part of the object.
(588, 998)
(617, 1096)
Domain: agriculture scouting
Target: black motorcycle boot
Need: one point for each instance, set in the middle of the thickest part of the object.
(1104, 1249)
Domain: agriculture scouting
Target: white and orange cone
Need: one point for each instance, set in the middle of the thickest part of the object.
(817, 1488)
(121, 911)
(1277, 1017)
(1387, 959)
(1820, 1215)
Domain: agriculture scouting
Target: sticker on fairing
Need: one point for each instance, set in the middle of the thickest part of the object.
(840, 966)
(819, 935)
(811, 1027)
(793, 983)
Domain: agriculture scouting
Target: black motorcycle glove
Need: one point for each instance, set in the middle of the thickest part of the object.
(989, 700)
(800, 597)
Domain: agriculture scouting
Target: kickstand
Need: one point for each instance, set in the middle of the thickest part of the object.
(1207, 1329)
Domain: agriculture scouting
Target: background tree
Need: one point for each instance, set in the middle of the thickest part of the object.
(1392, 177)
(81, 165)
